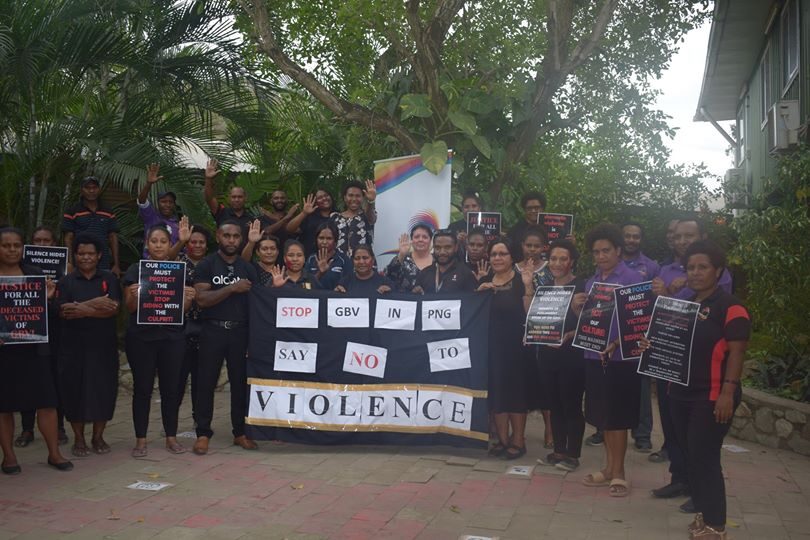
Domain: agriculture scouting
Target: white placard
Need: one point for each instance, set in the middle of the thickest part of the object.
(395, 315)
(441, 315)
(449, 354)
(297, 313)
(348, 312)
(149, 486)
(520, 470)
(365, 359)
(295, 357)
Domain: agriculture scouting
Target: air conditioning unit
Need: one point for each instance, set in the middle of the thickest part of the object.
(783, 125)
(735, 189)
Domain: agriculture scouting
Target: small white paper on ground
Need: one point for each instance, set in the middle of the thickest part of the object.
(187, 435)
(149, 486)
(469, 537)
(520, 470)
(734, 449)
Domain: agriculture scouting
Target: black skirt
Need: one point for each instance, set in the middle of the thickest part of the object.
(26, 379)
(612, 395)
(88, 372)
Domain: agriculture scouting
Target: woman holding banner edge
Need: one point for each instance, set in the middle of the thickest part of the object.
(702, 411)
(154, 349)
(508, 389)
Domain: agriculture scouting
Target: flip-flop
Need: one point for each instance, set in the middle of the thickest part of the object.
(101, 447)
(25, 438)
(619, 488)
(80, 450)
(596, 479)
(139, 452)
(176, 448)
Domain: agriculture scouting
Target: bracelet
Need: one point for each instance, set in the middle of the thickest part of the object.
(729, 381)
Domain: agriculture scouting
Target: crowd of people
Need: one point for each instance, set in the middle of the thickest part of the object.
(316, 246)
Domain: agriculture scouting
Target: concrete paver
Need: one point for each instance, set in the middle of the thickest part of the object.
(303, 492)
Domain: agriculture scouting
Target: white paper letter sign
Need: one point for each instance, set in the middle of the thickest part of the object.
(297, 313)
(449, 354)
(441, 315)
(297, 357)
(365, 359)
(348, 312)
(395, 315)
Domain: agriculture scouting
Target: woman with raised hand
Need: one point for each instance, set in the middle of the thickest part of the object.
(508, 371)
(702, 411)
(266, 248)
(355, 225)
(25, 383)
(293, 274)
(316, 210)
(88, 300)
(154, 349)
(328, 264)
(477, 253)
(364, 280)
(414, 255)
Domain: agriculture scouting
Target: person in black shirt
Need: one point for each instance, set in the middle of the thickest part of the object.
(447, 274)
(237, 199)
(702, 411)
(275, 222)
(315, 212)
(470, 202)
(266, 248)
(90, 216)
(477, 259)
(294, 274)
(533, 204)
(328, 265)
(364, 281)
(25, 382)
(154, 349)
(88, 300)
(222, 281)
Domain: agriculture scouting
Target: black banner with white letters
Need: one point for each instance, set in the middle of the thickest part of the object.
(23, 310)
(330, 368)
(672, 329)
(545, 320)
(52, 260)
(634, 305)
(160, 292)
(593, 326)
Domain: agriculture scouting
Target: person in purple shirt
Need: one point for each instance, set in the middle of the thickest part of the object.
(612, 386)
(671, 281)
(633, 235)
(166, 212)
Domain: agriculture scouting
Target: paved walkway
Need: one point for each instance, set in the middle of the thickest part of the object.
(301, 492)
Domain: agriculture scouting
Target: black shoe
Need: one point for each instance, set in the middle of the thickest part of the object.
(597, 439)
(671, 490)
(569, 464)
(550, 460)
(661, 456)
(11, 469)
(688, 507)
(64, 466)
(643, 446)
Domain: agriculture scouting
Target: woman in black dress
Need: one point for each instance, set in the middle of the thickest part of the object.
(266, 248)
(25, 384)
(154, 348)
(88, 301)
(508, 370)
(364, 280)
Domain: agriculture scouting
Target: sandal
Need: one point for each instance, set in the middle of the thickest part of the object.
(100, 446)
(596, 479)
(549, 445)
(80, 450)
(497, 449)
(25, 438)
(139, 452)
(521, 451)
(175, 448)
(619, 488)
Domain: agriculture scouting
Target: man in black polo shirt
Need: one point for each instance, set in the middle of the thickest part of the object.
(91, 217)
(533, 203)
(447, 273)
(222, 281)
(237, 198)
(275, 222)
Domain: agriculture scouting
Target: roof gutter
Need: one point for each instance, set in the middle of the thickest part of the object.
(705, 114)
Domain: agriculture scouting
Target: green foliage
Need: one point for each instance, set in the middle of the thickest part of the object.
(774, 253)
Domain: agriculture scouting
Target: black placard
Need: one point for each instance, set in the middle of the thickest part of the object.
(545, 321)
(672, 328)
(489, 221)
(557, 225)
(634, 305)
(23, 310)
(593, 327)
(160, 292)
(52, 260)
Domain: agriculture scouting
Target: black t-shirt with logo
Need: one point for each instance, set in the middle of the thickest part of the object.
(457, 278)
(219, 273)
(722, 318)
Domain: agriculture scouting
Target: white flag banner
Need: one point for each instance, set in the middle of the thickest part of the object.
(407, 195)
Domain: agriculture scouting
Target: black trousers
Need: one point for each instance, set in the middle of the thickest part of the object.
(146, 358)
(563, 382)
(701, 437)
(218, 344)
(677, 459)
(189, 367)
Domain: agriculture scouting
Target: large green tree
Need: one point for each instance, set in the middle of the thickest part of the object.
(488, 79)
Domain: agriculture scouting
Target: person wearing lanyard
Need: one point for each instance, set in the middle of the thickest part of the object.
(703, 410)
(414, 256)
(612, 386)
(328, 265)
(447, 274)
(222, 281)
(154, 349)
